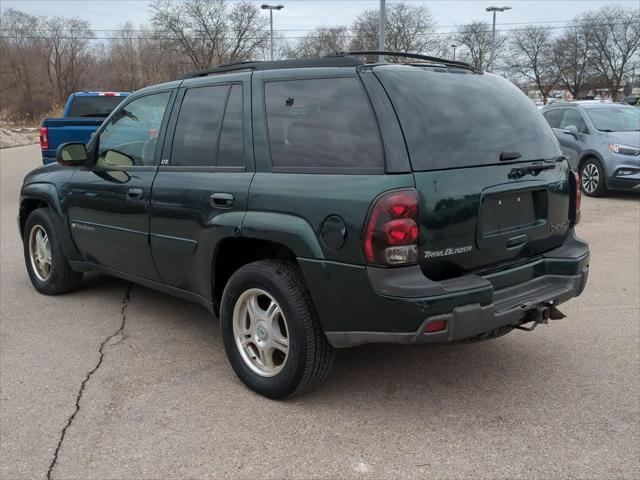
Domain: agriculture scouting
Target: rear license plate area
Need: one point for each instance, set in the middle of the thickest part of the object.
(512, 212)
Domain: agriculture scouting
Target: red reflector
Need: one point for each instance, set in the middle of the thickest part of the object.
(44, 138)
(436, 326)
(401, 232)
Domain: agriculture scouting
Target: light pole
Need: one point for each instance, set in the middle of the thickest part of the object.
(454, 46)
(493, 33)
(383, 30)
(271, 8)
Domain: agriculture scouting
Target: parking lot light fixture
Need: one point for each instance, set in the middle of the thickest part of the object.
(271, 8)
(493, 33)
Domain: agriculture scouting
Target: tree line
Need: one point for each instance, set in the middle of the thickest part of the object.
(44, 59)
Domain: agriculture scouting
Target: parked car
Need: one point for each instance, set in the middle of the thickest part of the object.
(320, 204)
(632, 100)
(602, 142)
(83, 113)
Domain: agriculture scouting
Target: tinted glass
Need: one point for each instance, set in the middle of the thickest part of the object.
(615, 119)
(456, 120)
(195, 141)
(231, 151)
(573, 117)
(322, 124)
(553, 117)
(132, 134)
(93, 106)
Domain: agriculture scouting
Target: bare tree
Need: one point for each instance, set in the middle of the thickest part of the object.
(474, 41)
(533, 56)
(409, 28)
(616, 39)
(320, 42)
(22, 65)
(67, 52)
(575, 47)
(247, 32)
(207, 33)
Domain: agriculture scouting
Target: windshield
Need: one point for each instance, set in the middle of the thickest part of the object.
(98, 106)
(461, 119)
(615, 119)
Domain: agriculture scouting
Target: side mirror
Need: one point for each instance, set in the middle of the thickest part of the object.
(571, 130)
(72, 153)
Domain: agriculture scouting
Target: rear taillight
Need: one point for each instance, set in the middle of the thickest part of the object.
(44, 138)
(391, 234)
(578, 194)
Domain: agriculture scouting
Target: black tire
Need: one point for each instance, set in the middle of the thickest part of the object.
(61, 279)
(497, 333)
(310, 355)
(592, 173)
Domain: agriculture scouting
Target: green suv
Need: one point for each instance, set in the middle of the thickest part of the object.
(320, 204)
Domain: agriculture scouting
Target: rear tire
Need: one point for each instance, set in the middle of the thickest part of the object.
(592, 180)
(271, 331)
(46, 263)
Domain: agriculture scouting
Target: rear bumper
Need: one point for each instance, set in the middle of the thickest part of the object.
(357, 306)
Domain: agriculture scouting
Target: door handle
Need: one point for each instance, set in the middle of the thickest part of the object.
(134, 193)
(222, 200)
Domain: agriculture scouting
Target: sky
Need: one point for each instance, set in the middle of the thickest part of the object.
(300, 16)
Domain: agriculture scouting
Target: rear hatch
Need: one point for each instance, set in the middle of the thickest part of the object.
(494, 190)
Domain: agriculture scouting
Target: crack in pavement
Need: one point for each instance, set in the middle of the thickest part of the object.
(123, 311)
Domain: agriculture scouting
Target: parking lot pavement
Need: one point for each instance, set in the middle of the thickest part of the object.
(563, 401)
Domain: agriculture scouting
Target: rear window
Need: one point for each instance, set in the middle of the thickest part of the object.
(93, 106)
(324, 124)
(458, 120)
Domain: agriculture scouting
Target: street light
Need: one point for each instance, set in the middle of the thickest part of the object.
(271, 8)
(493, 33)
(454, 46)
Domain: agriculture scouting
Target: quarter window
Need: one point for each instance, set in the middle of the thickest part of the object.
(322, 124)
(131, 136)
(231, 151)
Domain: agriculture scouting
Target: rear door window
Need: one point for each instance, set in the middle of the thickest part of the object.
(323, 124)
(463, 119)
(195, 141)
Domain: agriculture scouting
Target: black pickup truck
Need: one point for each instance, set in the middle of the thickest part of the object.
(320, 204)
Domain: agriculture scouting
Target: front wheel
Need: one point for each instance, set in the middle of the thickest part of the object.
(271, 332)
(46, 263)
(592, 178)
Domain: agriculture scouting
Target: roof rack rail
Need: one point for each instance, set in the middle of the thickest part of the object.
(426, 58)
(332, 61)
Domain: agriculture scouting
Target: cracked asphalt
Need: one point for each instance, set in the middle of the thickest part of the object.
(119, 382)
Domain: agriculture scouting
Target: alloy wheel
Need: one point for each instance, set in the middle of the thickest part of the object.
(590, 178)
(261, 332)
(40, 253)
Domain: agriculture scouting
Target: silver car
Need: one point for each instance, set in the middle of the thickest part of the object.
(602, 142)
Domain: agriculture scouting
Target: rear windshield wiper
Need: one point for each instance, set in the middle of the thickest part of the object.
(533, 169)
